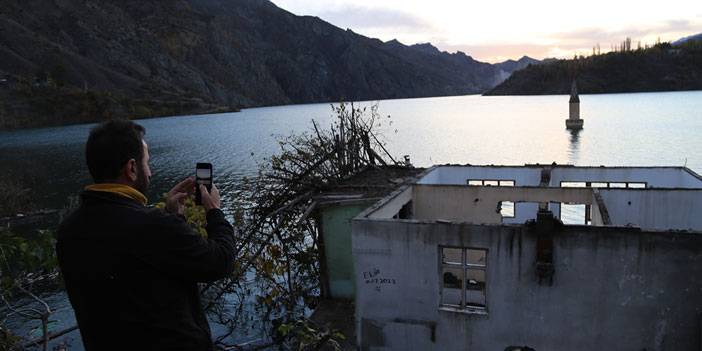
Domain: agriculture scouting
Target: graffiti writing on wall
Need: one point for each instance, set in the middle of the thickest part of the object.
(373, 277)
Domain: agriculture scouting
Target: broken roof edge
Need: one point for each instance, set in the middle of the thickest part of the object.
(382, 202)
(692, 173)
(552, 187)
(565, 165)
(365, 215)
(395, 193)
(590, 228)
(371, 182)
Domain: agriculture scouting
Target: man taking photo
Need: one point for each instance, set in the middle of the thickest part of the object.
(131, 272)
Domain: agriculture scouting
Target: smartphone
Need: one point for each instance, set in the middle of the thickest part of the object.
(203, 175)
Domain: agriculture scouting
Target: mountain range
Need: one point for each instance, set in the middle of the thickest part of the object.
(662, 67)
(70, 61)
(695, 37)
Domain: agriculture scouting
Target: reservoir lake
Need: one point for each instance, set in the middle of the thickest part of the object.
(640, 129)
(637, 129)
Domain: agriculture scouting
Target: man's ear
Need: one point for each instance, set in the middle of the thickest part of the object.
(130, 170)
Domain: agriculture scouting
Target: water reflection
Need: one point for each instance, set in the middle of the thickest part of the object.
(460, 129)
(574, 146)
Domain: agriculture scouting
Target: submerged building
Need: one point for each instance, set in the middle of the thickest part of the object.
(531, 257)
(574, 122)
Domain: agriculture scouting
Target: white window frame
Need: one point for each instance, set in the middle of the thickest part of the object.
(464, 266)
(604, 184)
(514, 209)
(500, 182)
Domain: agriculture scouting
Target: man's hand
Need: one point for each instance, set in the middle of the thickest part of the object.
(209, 200)
(175, 199)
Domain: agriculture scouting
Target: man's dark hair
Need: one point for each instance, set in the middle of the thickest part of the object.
(110, 145)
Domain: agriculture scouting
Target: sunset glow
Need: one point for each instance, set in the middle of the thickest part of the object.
(494, 31)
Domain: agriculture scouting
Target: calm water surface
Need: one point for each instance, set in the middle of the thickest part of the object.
(620, 129)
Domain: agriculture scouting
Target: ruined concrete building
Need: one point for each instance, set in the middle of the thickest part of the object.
(533, 257)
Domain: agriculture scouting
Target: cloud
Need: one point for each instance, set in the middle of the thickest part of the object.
(592, 36)
(363, 18)
(580, 41)
(494, 53)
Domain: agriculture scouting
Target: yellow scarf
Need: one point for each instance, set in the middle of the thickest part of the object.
(119, 189)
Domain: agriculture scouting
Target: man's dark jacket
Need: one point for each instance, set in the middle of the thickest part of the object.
(131, 273)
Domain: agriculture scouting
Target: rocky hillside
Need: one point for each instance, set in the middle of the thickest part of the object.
(512, 65)
(508, 67)
(68, 61)
(663, 67)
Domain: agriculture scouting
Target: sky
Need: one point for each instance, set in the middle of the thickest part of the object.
(494, 31)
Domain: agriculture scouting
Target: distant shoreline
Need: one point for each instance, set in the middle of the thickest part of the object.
(45, 107)
(206, 110)
(490, 93)
(43, 119)
(193, 113)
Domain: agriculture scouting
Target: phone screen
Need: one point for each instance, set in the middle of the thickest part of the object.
(203, 175)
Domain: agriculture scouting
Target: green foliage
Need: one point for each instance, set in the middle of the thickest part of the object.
(194, 214)
(306, 336)
(25, 260)
(8, 341)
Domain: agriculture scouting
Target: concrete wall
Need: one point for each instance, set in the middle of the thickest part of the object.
(654, 209)
(658, 177)
(655, 177)
(478, 205)
(457, 175)
(336, 229)
(523, 212)
(612, 289)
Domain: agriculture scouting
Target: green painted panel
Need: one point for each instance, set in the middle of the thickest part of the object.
(336, 228)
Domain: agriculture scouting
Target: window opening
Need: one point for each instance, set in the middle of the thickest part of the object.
(463, 278)
(617, 185)
(576, 214)
(573, 185)
(490, 182)
(405, 212)
(507, 209)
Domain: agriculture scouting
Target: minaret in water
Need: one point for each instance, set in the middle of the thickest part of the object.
(574, 121)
